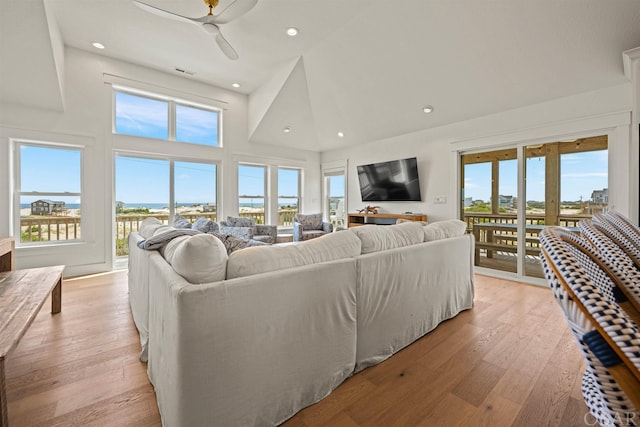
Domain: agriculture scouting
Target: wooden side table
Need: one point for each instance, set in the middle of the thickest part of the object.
(22, 294)
(7, 250)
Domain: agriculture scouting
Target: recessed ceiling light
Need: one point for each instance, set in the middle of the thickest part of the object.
(427, 109)
(236, 85)
(292, 31)
(98, 45)
(340, 134)
(287, 129)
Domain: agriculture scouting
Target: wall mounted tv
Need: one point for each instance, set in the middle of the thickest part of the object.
(392, 181)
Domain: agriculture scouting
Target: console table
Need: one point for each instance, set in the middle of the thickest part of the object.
(356, 219)
(22, 294)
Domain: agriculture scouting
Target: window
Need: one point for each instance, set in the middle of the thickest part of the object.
(563, 182)
(334, 203)
(144, 188)
(166, 119)
(49, 192)
(251, 192)
(288, 196)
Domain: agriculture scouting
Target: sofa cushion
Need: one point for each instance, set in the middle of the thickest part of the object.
(233, 221)
(205, 225)
(310, 221)
(149, 226)
(382, 237)
(201, 258)
(289, 255)
(444, 229)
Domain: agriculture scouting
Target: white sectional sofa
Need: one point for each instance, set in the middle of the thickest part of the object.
(251, 338)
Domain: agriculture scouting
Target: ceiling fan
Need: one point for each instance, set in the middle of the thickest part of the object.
(210, 22)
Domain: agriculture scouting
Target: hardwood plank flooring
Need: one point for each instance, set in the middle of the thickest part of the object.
(510, 361)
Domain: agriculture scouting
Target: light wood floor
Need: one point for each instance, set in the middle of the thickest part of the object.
(510, 361)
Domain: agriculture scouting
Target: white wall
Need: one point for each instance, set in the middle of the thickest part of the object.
(605, 111)
(86, 121)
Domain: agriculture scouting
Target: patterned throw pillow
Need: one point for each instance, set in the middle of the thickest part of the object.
(240, 222)
(205, 225)
(310, 222)
(233, 243)
(181, 222)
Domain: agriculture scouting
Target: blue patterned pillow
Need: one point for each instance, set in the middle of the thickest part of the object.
(310, 222)
(240, 222)
(205, 225)
(181, 222)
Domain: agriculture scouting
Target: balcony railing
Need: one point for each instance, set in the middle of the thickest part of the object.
(50, 228)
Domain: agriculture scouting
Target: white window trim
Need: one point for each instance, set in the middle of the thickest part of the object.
(17, 193)
(285, 228)
(267, 198)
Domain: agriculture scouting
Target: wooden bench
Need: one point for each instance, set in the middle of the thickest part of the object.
(501, 247)
(22, 294)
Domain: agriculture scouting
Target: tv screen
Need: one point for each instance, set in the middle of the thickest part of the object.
(396, 180)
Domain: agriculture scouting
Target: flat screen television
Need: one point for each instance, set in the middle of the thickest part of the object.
(391, 181)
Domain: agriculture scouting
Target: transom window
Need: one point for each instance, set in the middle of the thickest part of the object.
(166, 119)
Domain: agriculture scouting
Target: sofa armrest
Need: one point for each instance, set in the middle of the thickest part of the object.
(327, 227)
(241, 232)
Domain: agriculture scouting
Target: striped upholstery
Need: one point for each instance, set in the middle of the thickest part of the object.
(612, 256)
(567, 259)
(612, 232)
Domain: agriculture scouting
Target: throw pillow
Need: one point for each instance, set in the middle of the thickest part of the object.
(233, 243)
(148, 226)
(205, 225)
(181, 222)
(310, 222)
(199, 259)
(240, 222)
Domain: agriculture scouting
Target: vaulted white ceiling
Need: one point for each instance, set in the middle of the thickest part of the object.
(363, 67)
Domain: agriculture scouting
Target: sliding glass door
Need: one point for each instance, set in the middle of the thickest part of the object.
(561, 183)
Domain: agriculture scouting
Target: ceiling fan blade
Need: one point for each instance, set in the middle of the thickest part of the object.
(235, 9)
(225, 47)
(163, 13)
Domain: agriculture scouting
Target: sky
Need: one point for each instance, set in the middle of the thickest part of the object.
(580, 175)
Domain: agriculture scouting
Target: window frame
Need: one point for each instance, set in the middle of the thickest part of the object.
(18, 193)
(172, 102)
(171, 161)
(265, 182)
(298, 198)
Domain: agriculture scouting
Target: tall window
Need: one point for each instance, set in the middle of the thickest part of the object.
(288, 195)
(144, 189)
(167, 119)
(251, 191)
(50, 193)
